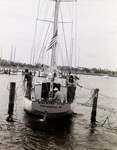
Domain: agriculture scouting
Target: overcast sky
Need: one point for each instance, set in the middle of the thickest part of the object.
(96, 37)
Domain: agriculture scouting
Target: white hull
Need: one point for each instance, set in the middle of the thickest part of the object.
(106, 77)
(43, 74)
(2, 72)
(52, 109)
(43, 91)
(13, 73)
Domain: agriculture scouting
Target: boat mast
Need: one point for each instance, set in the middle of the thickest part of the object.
(11, 54)
(53, 56)
(14, 54)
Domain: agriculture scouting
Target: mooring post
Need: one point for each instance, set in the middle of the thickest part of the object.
(11, 100)
(94, 106)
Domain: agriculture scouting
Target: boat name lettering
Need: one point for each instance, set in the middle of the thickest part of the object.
(51, 103)
(46, 103)
(48, 106)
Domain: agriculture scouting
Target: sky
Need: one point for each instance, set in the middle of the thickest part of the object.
(96, 31)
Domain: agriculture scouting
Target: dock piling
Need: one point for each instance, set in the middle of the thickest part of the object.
(11, 101)
(94, 106)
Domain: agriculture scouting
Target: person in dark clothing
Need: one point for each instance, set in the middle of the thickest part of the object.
(70, 89)
(28, 78)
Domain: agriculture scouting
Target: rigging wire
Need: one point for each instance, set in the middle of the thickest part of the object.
(71, 44)
(43, 46)
(61, 53)
(76, 35)
(41, 30)
(64, 37)
(34, 38)
(60, 47)
(60, 44)
(46, 39)
(34, 47)
(72, 16)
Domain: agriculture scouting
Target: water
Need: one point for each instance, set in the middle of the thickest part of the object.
(70, 133)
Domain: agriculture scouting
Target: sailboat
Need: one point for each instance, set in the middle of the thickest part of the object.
(40, 103)
(12, 70)
(106, 75)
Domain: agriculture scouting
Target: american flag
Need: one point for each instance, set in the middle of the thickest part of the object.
(53, 42)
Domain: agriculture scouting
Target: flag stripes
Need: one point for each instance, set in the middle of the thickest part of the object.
(53, 42)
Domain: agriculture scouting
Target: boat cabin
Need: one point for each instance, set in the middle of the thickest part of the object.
(41, 91)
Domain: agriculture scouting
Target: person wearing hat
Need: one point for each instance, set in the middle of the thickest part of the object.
(58, 95)
(76, 81)
(75, 84)
(70, 89)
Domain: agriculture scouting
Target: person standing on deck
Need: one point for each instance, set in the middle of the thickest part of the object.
(76, 83)
(70, 89)
(28, 78)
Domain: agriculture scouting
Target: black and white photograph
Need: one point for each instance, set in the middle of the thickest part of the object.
(58, 75)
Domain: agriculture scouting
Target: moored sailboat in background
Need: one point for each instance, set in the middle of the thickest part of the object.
(106, 75)
(1, 69)
(41, 102)
(13, 70)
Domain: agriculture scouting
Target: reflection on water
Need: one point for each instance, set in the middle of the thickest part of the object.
(74, 132)
(50, 133)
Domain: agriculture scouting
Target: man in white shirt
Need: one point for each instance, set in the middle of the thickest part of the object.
(58, 95)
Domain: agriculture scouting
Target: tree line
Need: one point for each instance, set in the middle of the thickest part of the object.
(6, 63)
